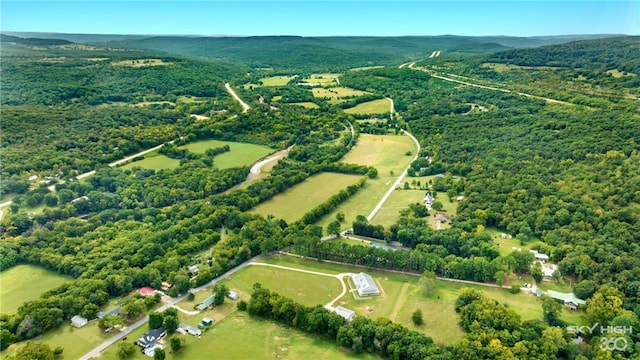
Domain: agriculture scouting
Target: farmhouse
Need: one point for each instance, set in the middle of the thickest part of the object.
(151, 338)
(114, 311)
(365, 284)
(345, 313)
(568, 299)
(79, 321)
(206, 303)
(186, 329)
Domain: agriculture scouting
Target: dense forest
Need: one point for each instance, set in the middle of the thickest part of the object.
(565, 174)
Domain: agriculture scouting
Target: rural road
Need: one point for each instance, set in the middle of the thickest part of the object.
(398, 180)
(235, 96)
(255, 168)
(129, 329)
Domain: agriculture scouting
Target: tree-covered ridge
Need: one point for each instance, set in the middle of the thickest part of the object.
(621, 53)
(565, 174)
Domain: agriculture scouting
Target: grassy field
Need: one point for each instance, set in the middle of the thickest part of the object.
(386, 153)
(241, 154)
(307, 289)
(402, 295)
(306, 104)
(276, 80)
(314, 190)
(156, 162)
(380, 106)
(23, 283)
(336, 92)
(76, 342)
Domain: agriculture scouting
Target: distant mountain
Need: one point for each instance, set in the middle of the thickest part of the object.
(296, 53)
(621, 53)
(32, 41)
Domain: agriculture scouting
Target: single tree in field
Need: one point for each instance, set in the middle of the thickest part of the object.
(126, 350)
(416, 317)
(159, 354)
(437, 206)
(176, 343)
(427, 282)
(220, 291)
(340, 216)
(333, 228)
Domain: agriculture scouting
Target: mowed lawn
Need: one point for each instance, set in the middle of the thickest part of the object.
(299, 199)
(241, 154)
(23, 283)
(387, 153)
(380, 106)
(307, 289)
(157, 162)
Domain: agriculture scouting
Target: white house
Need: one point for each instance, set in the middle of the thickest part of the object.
(365, 284)
(540, 256)
(79, 321)
(345, 313)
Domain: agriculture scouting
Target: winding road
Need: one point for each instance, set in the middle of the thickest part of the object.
(245, 107)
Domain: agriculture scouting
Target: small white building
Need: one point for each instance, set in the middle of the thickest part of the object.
(365, 284)
(79, 321)
(233, 295)
(186, 329)
(349, 315)
(543, 258)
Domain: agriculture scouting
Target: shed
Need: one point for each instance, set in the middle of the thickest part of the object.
(348, 314)
(79, 321)
(207, 321)
(233, 295)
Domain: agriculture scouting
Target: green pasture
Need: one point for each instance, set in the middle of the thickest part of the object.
(380, 106)
(336, 92)
(156, 162)
(241, 154)
(402, 295)
(299, 199)
(276, 80)
(22, 283)
(239, 336)
(307, 289)
(386, 153)
(305, 104)
(75, 341)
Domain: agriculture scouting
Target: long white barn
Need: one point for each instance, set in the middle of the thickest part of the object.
(365, 284)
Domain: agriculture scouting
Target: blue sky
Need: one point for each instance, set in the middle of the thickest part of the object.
(324, 18)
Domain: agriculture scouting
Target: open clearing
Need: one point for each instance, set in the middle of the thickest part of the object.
(157, 162)
(386, 153)
(23, 283)
(380, 106)
(336, 92)
(402, 295)
(299, 199)
(306, 104)
(276, 80)
(141, 62)
(241, 154)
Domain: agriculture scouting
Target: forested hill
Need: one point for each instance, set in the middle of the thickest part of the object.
(622, 53)
(32, 41)
(328, 53)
